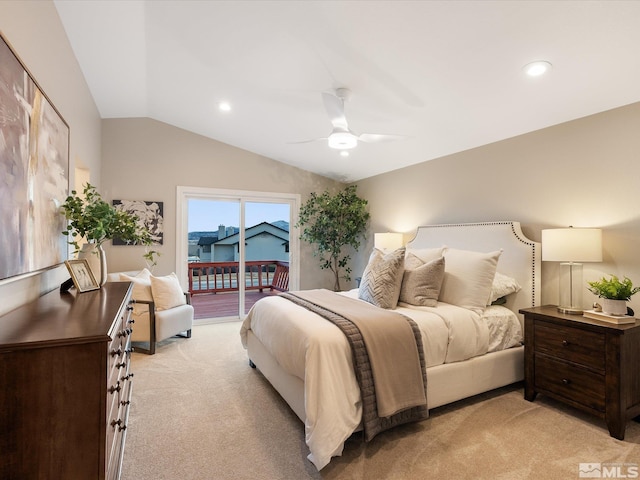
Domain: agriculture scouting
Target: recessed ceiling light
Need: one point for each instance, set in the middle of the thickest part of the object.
(224, 106)
(344, 153)
(537, 68)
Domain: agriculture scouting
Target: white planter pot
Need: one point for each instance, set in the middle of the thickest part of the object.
(614, 307)
(97, 260)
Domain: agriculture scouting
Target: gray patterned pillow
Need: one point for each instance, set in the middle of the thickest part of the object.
(382, 278)
(421, 282)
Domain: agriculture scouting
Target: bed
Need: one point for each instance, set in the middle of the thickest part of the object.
(308, 360)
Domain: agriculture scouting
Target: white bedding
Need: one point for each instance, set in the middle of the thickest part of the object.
(318, 353)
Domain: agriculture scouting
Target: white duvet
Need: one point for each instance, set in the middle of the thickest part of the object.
(316, 351)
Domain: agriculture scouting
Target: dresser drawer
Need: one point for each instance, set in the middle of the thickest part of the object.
(570, 381)
(572, 344)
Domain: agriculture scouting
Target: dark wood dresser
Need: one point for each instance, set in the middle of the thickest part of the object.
(589, 364)
(65, 385)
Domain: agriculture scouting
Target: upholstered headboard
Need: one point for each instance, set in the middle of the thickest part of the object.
(520, 256)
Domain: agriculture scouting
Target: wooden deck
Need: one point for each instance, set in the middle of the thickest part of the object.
(224, 304)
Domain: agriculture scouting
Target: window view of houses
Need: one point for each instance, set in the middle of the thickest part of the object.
(214, 259)
(262, 241)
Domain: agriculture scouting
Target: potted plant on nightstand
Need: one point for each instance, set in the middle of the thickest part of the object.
(96, 221)
(615, 293)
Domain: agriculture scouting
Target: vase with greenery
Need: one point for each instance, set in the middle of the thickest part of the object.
(614, 292)
(93, 219)
(332, 223)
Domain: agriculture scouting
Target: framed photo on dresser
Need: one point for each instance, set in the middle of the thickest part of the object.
(81, 275)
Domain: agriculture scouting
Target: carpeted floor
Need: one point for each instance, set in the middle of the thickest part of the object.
(200, 412)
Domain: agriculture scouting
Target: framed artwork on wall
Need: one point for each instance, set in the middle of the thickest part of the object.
(34, 172)
(150, 215)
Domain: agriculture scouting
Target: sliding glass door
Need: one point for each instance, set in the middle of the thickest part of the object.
(234, 248)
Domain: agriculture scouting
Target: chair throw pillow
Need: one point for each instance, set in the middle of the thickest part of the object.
(141, 290)
(382, 278)
(167, 292)
(421, 281)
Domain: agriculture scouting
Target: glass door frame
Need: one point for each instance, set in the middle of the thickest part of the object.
(184, 194)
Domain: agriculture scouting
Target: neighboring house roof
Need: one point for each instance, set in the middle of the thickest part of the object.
(203, 241)
(263, 227)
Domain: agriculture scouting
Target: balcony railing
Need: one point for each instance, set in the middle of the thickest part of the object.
(214, 277)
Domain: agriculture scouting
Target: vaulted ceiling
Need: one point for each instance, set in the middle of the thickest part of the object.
(447, 75)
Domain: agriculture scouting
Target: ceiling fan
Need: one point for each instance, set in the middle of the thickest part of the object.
(341, 137)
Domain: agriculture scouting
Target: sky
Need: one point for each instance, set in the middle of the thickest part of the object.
(207, 215)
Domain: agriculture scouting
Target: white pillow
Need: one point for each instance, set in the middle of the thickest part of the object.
(382, 278)
(502, 286)
(468, 277)
(141, 290)
(167, 292)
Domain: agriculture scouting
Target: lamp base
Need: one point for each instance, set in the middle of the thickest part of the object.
(570, 310)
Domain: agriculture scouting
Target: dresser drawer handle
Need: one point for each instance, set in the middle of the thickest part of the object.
(116, 353)
(126, 377)
(566, 381)
(115, 388)
(119, 424)
(565, 343)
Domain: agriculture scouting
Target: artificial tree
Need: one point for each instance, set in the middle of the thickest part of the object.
(331, 223)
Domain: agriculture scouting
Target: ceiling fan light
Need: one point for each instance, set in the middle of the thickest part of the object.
(342, 140)
(537, 68)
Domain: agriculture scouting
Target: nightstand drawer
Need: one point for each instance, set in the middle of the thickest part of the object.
(571, 382)
(573, 344)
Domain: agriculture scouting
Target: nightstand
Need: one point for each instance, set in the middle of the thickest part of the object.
(588, 364)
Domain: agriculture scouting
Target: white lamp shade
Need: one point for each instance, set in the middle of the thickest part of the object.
(572, 245)
(387, 242)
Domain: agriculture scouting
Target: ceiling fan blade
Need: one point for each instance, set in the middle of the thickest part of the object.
(335, 108)
(308, 141)
(379, 137)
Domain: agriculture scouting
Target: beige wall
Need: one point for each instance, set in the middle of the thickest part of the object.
(143, 159)
(584, 173)
(35, 32)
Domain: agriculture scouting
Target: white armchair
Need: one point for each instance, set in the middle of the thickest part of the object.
(162, 310)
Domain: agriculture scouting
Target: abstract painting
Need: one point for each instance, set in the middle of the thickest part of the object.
(34, 172)
(150, 215)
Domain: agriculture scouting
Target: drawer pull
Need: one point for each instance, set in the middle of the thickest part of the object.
(116, 353)
(121, 365)
(114, 388)
(130, 308)
(119, 424)
(565, 343)
(125, 402)
(566, 381)
(126, 377)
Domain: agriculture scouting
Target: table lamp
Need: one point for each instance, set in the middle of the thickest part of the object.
(388, 242)
(571, 246)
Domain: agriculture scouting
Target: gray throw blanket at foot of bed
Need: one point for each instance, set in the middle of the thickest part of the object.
(388, 357)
